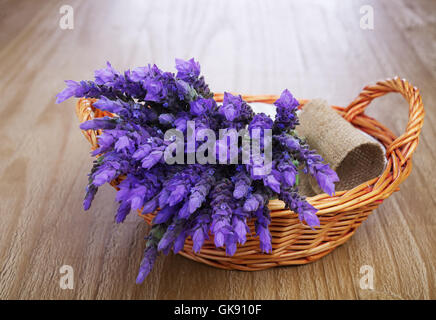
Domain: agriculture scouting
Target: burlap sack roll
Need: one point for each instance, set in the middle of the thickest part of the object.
(355, 156)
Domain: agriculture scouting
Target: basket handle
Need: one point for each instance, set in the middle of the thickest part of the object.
(408, 141)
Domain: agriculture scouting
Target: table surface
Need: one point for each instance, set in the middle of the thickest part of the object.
(313, 48)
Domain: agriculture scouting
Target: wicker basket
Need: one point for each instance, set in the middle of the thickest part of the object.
(340, 215)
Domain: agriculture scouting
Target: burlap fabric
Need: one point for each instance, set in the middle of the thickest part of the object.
(355, 156)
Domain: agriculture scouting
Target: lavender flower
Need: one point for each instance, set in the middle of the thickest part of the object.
(286, 117)
(236, 111)
(201, 106)
(192, 200)
(147, 263)
(242, 183)
(297, 203)
(222, 207)
(151, 251)
(199, 231)
(262, 222)
(199, 193)
(187, 70)
(313, 163)
(106, 76)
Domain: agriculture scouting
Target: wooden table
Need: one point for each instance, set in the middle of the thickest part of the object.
(313, 48)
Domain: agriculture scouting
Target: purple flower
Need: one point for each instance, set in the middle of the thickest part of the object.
(298, 204)
(261, 225)
(194, 200)
(254, 202)
(106, 75)
(187, 70)
(286, 117)
(309, 215)
(251, 204)
(288, 141)
(287, 170)
(240, 228)
(230, 240)
(179, 242)
(142, 151)
(68, 92)
(99, 123)
(198, 239)
(150, 206)
(242, 185)
(260, 121)
(152, 158)
(181, 121)
(201, 106)
(199, 193)
(164, 215)
(122, 212)
(139, 74)
(91, 190)
(177, 194)
(147, 263)
(199, 231)
(325, 177)
(271, 181)
(155, 90)
(171, 234)
(104, 175)
(313, 162)
(77, 89)
(137, 196)
(236, 112)
(166, 119)
(264, 238)
(231, 107)
(222, 205)
(124, 143)
(106, 104)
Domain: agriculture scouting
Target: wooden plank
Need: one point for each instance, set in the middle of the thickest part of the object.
(313, 48)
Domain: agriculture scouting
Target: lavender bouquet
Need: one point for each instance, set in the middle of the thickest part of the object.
(162, 141)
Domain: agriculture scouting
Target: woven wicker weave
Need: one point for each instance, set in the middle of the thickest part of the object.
(340, 215)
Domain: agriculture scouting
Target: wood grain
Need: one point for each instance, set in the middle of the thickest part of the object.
(314, 48)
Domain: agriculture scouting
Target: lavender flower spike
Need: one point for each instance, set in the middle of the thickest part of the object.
(193, 200)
